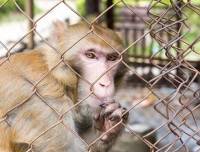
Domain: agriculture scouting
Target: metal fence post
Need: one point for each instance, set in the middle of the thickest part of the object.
(179, 30)
(30, 13)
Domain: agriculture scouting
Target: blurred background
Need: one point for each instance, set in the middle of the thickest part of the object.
(145, 56)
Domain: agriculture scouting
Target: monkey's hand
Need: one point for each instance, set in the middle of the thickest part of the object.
(108, 119)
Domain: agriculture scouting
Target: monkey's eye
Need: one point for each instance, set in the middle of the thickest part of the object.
(113, 57)
(91, 55)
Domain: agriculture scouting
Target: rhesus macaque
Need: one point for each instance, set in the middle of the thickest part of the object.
(37, 93)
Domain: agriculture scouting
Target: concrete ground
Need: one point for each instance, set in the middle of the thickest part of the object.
(144, 115)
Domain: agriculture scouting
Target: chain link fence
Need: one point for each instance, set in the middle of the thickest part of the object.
(178, 41)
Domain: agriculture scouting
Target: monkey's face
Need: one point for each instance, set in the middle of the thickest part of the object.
(99, 68)
(93, 57)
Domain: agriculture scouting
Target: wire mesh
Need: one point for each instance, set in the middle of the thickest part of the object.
(178, 110)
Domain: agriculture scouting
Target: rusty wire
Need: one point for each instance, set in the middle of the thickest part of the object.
(171, 20)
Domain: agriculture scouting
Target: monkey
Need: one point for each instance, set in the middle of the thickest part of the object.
(61, 98)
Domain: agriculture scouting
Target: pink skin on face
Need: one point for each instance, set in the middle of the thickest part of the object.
(95, 64)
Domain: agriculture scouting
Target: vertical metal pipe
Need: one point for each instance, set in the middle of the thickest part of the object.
(30, 13)
(179, 25)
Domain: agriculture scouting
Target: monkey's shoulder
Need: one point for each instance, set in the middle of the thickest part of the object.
(32, 61)
(24, 60)
(28, 64)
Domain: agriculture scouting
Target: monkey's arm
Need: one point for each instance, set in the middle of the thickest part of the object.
(86, 130)
(91, 127)
(4, 137)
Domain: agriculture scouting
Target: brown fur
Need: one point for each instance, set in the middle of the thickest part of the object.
(34, 94)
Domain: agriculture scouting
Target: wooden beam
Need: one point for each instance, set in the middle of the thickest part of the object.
(110, 14)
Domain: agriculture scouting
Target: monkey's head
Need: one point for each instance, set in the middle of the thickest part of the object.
(94, 52)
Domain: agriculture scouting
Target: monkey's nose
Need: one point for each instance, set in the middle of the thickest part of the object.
(104, 84)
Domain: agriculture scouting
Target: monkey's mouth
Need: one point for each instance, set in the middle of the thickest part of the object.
(106, 100)
(100, 101)
(104, 104)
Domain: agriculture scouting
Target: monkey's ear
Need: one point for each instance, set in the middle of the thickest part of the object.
(59, 28)
(19, 147)
(120, 34)
(119, 76)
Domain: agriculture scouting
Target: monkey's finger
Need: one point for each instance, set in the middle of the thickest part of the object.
(105, 138)
(96, 116)
(99, 125)
(109, 135)
(116, 115)
(111, 108)
(114, 130)
(125, 114)
(99, 120)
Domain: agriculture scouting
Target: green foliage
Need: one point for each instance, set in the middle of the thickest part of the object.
(10, 6)
(168, 2)
(9, 9)
(81, 7)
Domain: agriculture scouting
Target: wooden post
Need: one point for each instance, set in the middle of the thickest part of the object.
(30, 13)
(110, 14)
(92, 7)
